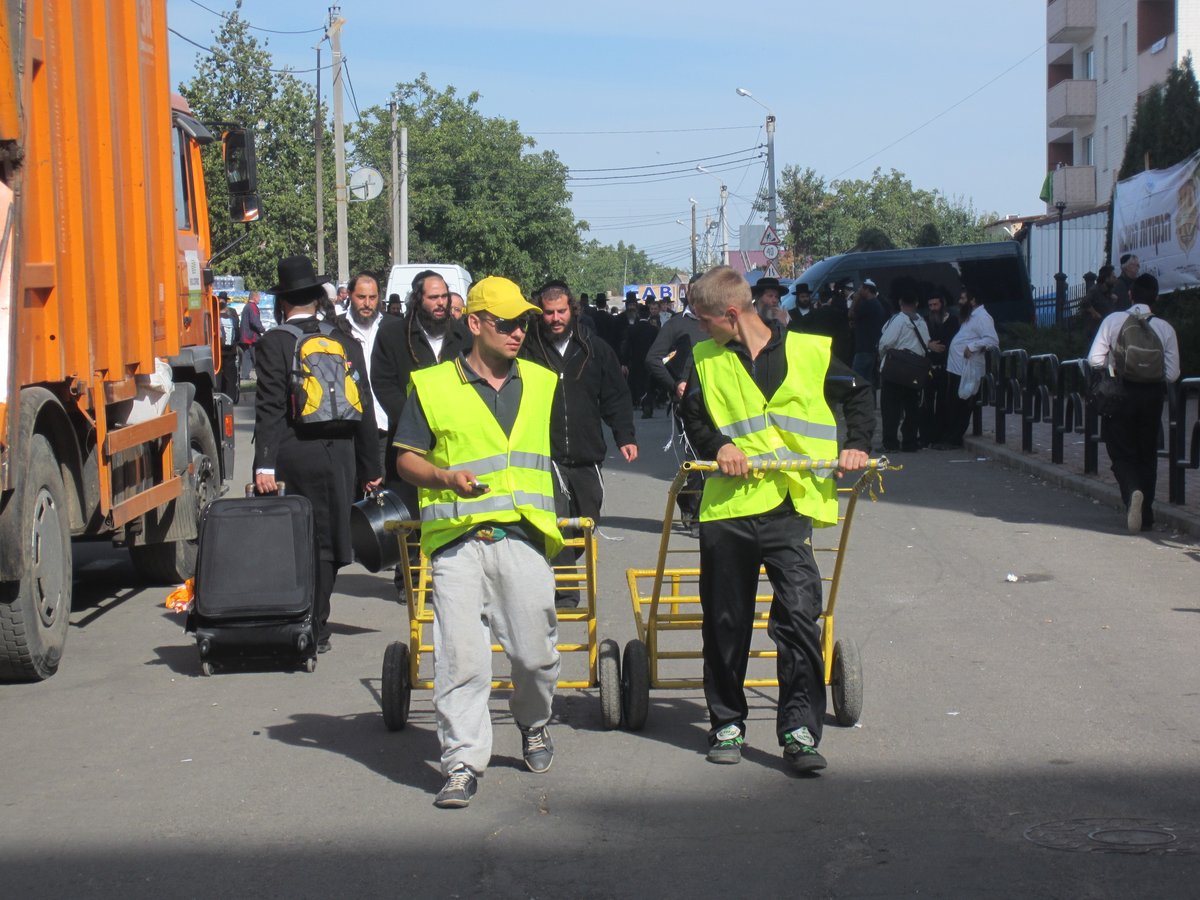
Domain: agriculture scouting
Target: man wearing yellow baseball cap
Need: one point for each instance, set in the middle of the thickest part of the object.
(476, 442)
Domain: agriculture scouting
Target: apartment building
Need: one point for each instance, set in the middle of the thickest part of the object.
(1101, 56)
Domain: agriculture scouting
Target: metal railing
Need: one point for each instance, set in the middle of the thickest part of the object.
(1042, 390)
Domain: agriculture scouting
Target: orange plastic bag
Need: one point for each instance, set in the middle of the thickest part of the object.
(180, 600)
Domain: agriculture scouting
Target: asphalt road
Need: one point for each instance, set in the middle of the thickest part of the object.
(992, 708)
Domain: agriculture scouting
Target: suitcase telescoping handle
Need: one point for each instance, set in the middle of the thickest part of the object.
(252, 491)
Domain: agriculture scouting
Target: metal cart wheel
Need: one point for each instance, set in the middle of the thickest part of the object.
(635, 685)
(397, 688)
(609, 674)
(846, 682)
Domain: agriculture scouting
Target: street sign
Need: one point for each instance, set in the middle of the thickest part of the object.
(769, 237)
(771, 251)
(771, 272)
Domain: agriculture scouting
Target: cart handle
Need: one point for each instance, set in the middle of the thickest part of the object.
(882, 464)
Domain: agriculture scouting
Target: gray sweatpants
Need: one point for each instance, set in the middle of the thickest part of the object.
(482, 589)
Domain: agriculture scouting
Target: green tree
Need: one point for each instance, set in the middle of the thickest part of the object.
(830, 217)
(929, 236)
(478, 193)
(605, 267)
(1166, 126)
(871, 238)
(235, 83)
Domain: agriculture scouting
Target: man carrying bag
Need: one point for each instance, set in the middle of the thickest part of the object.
(905, 372)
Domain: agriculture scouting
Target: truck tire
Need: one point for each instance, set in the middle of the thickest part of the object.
(174, 562)
(36, 610)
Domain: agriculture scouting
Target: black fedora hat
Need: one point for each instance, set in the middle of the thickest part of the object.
(297, 279)
(764, 284)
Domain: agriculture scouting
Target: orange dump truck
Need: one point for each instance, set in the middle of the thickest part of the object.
(110, 423)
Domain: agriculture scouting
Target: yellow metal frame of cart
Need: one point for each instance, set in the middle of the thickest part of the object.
(402, 663)
(672, 601)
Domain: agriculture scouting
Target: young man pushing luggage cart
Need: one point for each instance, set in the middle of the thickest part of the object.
(757, 394)
(475, 439)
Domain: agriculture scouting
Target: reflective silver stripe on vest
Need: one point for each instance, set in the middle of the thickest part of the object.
(482, 466)
(744, 427)
(525, 460)
(806, 428)
(495, 463)
(465, 507)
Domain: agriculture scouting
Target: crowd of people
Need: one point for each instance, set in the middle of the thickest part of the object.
(488, 416)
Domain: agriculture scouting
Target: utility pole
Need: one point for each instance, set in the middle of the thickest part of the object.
(404, 196)
(341, 198)
(692, 200)
(771, 214)
(395, 199)
(724, 226)
(319, 146)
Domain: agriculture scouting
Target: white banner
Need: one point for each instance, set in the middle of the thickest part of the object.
(1155, 217)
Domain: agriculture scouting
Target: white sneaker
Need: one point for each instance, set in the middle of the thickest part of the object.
(1133, 518)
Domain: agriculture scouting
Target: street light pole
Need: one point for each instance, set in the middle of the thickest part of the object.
(340, 195)
(395, 204)
(772, 216)
(1060, 279)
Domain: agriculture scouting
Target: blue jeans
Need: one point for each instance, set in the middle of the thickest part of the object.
(865, 366)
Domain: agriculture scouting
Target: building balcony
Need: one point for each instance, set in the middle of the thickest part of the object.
(1075, 186)
(1155, 62)
(1070, 21)
(1071, 104)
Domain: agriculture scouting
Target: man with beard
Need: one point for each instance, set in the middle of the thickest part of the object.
(424, 337)
(803, 304)
(638, 340)
(1130, 267)
(942, 328)
(361, 321)
(590, 390)
(965, 358)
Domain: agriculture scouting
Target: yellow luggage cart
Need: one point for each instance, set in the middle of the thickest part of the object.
(666, 599)
(402, 660)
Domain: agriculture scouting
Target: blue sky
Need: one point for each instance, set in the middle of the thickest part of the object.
(845, 80)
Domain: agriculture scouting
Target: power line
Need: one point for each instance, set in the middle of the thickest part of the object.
(676, 163)
(949, 108)
(717, 167)
(350, 84)
(223, 15)
(221, 56)
(654, 130)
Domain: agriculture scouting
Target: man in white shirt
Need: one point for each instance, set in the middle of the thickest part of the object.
(965, 358)
(1131, 433)
(904, 331)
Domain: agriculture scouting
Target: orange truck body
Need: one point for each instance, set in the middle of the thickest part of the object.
(103, 272)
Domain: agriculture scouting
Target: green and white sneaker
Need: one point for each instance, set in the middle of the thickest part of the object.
(726, 748)
(800, 752)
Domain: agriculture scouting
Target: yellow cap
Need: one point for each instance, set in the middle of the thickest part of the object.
(500, 297)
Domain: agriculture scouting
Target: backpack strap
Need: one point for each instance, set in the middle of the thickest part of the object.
(913, 323)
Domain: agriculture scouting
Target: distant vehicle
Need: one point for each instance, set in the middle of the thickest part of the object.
(995, 272)
(401, 277)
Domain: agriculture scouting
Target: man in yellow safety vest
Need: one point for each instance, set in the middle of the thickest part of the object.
(475, 439)
(759, 393)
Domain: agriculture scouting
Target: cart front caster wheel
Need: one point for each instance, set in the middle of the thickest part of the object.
(310, 665)
(206, 668)
(846, 683)
(397, 687)
(609, 674)
(635, 685)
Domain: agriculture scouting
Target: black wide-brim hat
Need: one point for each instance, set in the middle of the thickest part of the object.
(297, 279)
(764, 284)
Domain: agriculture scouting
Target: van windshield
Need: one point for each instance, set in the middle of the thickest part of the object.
(814, 275)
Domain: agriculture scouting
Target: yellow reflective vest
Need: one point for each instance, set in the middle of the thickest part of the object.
(467, 436)
(796, 423)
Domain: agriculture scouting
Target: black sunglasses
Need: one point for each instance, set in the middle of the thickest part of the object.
(508, 326)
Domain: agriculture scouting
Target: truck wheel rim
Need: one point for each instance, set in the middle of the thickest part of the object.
(46, 555)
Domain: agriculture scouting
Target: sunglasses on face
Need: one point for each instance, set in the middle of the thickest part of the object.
(508, 326)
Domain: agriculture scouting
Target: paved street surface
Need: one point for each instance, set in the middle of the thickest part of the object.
(992, 707)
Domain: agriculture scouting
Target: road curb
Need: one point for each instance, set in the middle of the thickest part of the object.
(1165, 515)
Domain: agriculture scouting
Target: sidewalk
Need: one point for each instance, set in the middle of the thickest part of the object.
(1101, 486)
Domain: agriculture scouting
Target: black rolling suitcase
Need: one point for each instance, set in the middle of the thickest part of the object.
(256, 582)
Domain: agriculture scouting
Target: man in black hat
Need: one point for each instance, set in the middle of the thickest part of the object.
(331, 468)
(768, 295)
(229, 382)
